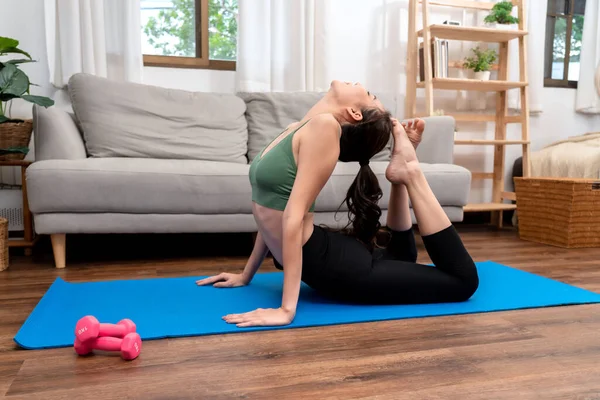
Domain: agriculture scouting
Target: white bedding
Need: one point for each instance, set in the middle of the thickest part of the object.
(575, 157)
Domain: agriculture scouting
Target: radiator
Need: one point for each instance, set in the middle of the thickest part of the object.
(11, 206)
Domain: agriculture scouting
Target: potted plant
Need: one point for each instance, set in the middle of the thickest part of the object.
(481, 63)
(14, 84)
(500, 16)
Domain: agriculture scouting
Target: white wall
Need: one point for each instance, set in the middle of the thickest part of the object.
(558, 121)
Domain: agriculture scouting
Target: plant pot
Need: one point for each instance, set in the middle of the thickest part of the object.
(15, 134)
(482, 75)
(502, 27)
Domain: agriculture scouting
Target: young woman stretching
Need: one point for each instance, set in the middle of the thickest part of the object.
(349, 124)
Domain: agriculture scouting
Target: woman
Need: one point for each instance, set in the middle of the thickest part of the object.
(349, 124)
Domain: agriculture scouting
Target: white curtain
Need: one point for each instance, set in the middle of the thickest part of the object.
(276, 45)
(301, 45)
(588, 94)
(98, 37)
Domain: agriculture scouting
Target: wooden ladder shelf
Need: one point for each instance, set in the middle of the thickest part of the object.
(500, 86)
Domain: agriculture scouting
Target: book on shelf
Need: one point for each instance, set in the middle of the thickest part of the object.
(439, 62)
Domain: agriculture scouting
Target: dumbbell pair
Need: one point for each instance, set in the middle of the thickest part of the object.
(91, 335)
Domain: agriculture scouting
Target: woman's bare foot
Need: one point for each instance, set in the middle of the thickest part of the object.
(414, 130)
(404, 163)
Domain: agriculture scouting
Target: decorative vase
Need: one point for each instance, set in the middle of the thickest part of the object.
(462, 96)
(479, 99)
(15, 135)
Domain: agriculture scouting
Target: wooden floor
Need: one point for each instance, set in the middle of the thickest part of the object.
(551, 353)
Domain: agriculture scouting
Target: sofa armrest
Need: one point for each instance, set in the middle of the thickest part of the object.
(56, 135)
(437, 146)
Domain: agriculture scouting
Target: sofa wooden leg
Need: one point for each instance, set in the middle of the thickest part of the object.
(59, 249)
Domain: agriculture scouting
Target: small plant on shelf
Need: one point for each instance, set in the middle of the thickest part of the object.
(481, 63)
(501, 14)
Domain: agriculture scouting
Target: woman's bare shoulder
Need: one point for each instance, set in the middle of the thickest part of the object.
(324, 124)
(322, 130)
(325, 118)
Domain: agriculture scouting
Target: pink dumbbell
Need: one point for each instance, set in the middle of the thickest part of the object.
(89, 328)
(130, 346)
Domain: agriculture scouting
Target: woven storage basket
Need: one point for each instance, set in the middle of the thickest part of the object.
(562, 212)
(3, 244)
(15, 134)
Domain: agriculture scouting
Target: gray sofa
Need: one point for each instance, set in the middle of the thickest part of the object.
(141, 159)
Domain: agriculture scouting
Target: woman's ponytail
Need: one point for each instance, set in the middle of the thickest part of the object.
(360, 142)
(363, 209)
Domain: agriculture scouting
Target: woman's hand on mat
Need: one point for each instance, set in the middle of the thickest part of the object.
(261, 317)
(224, 280)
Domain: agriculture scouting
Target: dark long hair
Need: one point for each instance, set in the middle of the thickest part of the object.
(360, 142)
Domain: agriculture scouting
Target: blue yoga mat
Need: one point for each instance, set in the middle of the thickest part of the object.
(175, 307)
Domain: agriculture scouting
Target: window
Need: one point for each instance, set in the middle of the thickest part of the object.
(564, 28)
(189, 33)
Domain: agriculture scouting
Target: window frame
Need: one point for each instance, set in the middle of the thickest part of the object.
(564, 82)
(201, 60)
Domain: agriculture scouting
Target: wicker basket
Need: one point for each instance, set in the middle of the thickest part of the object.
(561, 212)
(3, 244)
(15, 134)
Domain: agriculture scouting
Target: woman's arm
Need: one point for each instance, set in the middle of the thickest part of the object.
(256, 259)
(318, 153)
(228, 280)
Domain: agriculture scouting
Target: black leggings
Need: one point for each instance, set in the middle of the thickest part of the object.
(340, 267)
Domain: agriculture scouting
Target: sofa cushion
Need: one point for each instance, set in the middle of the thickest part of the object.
(132, 120)
(144, 186)
(268, 114)
(139, 185)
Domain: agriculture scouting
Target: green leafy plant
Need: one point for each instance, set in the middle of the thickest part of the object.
(482, 60)
(500, 14)
(14, 83)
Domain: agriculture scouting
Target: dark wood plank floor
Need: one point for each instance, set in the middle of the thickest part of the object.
(551, 353)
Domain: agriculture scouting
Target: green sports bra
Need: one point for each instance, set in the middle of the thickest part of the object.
(272, 175)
